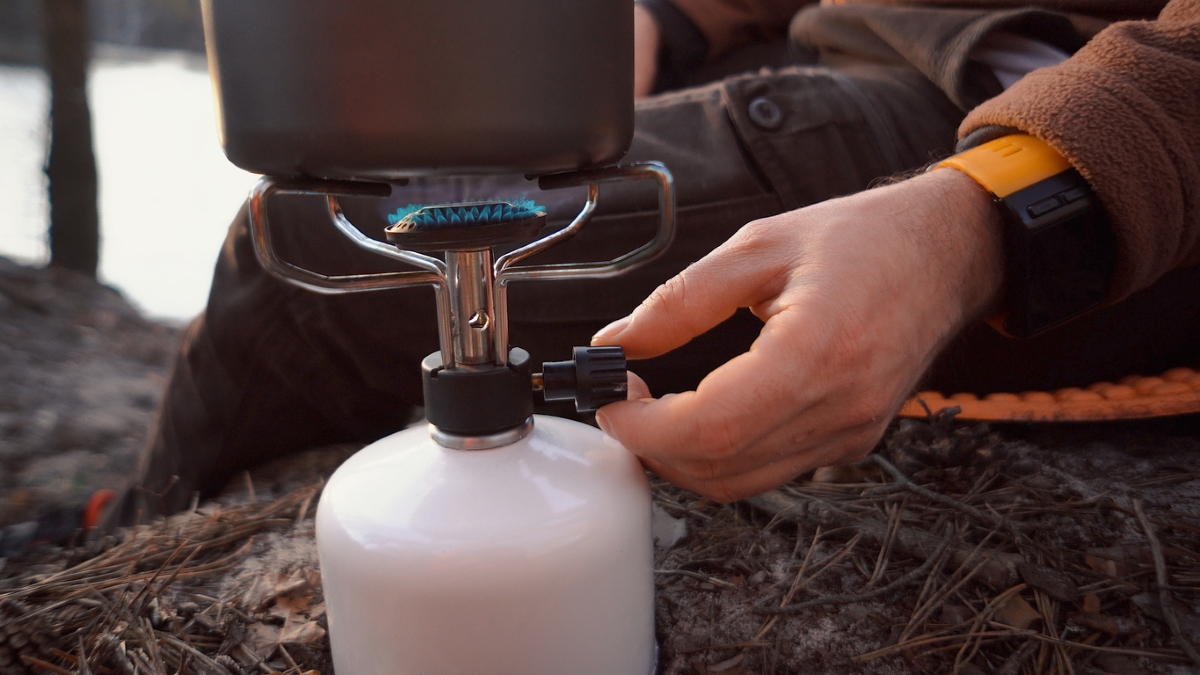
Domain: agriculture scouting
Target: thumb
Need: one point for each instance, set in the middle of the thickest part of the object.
(691, 303)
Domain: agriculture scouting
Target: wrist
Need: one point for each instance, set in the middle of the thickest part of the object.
(970, 236)
(1059, 252)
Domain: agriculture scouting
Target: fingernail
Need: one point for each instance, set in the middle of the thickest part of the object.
(602, 421)
(611, 330)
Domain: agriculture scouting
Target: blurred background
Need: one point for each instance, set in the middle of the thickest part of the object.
(166, 193)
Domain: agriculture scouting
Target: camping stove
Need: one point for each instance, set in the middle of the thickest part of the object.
(490, 540)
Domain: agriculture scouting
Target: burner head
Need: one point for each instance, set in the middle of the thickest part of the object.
(467, 225)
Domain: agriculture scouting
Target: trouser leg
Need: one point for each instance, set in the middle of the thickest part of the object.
(269, 369)
(1152, 331)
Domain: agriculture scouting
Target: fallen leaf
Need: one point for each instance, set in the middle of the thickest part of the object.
(1016, 612)
(296, 582)
(730, 666)
(1104, 566)
(1112, 625)
(1050, 581)
(261, 640)
(1091, 603)
(301, 633)
(313, 577)
(268, 587)
(261, 592)
(956, 615)
(294, 603)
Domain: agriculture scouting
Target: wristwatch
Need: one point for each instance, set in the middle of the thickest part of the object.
(1059, 247)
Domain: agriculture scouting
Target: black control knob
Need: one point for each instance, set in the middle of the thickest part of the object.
(594, 377)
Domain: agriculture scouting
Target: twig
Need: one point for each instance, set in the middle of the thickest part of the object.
(847, 598)
(1012, 665)
(304, 507)
(1148, 653)
(215, 667)
(885, 551)
(787, 597)
(921, 641)
(969, 649)
(288, 657)
(922, 614)
(903, 481)
(695, 575)
(825, 565)
(1164, 595)
(38, 663)
(151, 645)
(267, 670)
(745, 644)
(82, 663)
(999, 572)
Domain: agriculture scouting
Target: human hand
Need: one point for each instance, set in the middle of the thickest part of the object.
(858, 295)
(645, 50)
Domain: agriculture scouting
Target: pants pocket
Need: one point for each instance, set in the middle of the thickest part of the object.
(812, 136)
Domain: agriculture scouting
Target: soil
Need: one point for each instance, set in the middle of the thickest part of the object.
(81, 373)
(1008, 549)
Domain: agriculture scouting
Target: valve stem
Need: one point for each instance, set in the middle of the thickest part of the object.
(595, 376)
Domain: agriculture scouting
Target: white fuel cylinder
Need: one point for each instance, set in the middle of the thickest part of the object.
(534, 558)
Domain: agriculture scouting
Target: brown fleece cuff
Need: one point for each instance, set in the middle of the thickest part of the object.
(1123, 111)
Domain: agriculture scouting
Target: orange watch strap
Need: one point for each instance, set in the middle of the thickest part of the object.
(1009, 163)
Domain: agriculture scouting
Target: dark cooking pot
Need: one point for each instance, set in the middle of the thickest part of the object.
(386, 88)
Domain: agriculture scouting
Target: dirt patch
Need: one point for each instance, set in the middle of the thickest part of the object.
(81, 373)
(954, 549)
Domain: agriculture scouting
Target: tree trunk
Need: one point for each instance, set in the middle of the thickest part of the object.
(71, 167)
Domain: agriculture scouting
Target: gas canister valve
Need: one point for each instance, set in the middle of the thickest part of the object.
(594, 377)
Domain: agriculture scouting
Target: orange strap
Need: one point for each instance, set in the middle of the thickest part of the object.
(1004, 166)
(1008, 164)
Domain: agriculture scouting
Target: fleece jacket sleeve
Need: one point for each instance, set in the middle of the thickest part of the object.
(1125, 111)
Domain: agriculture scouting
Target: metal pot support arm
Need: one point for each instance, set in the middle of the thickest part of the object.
(467, 334)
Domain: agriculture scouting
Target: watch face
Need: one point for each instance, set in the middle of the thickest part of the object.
(1060, 253)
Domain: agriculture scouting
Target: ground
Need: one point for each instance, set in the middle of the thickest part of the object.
(956, 547)
(81, 373)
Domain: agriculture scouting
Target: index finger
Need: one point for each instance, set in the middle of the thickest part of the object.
(742, 272)
(734, 406)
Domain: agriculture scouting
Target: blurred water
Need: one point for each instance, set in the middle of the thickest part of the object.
(167, 193)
